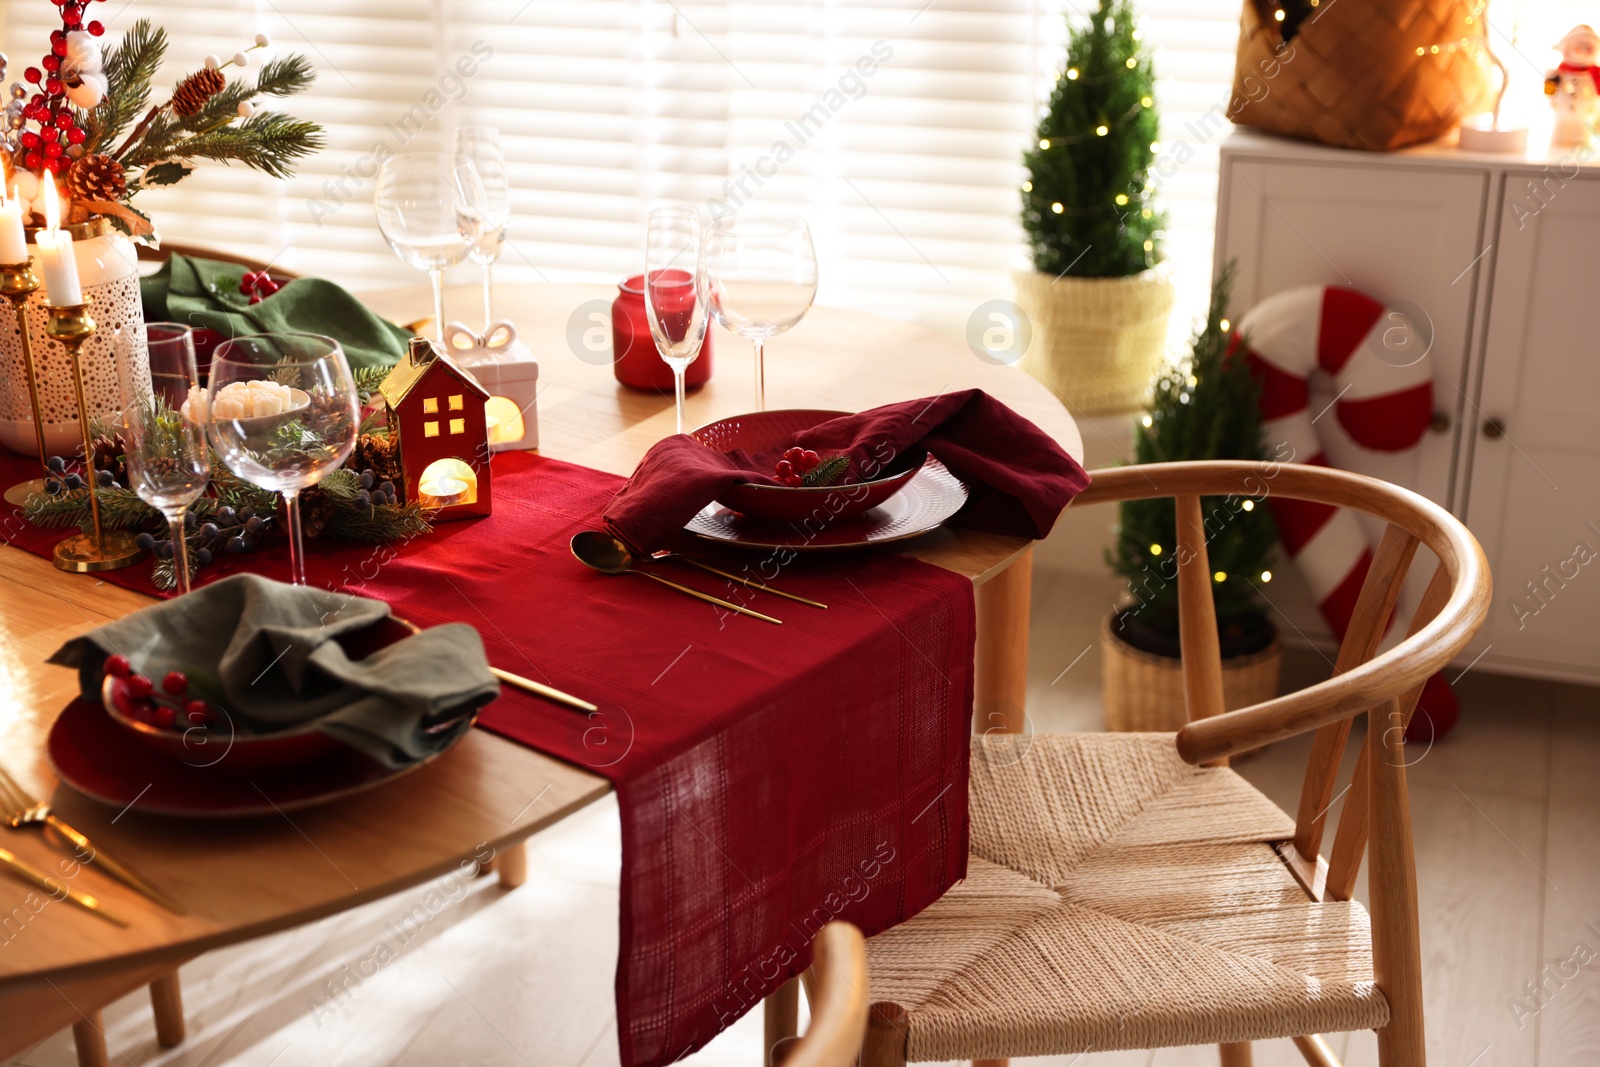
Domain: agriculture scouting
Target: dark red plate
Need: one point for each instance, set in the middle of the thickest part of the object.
(765, 431)
(101, 758)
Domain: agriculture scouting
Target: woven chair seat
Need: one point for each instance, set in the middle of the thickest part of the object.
(1118, 898)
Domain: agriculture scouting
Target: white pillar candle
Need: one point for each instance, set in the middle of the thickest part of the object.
(57, 260)
(13, 242)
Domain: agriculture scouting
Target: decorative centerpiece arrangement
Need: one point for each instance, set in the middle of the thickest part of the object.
(361, 501)
(1204, 409)
(1099, 306)
(81, 123)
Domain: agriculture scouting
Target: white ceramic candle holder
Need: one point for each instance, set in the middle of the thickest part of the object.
(108, 269)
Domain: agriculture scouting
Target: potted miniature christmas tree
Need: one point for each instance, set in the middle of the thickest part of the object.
(1203, 409)
(1098, 305)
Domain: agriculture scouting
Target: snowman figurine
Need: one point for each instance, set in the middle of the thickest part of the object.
(1574, 87)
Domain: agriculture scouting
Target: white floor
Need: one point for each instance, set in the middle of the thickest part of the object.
(1508, 836)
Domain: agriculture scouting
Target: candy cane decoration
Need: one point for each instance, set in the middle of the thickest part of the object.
(1384, 402)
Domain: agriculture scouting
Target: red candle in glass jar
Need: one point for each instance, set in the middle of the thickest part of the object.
(635, 360)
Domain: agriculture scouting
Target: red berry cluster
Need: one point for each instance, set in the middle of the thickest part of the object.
(257, 285)
(792, 468)
(161, 709)
(46, 149)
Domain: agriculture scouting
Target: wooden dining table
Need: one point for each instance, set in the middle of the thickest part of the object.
(236, 880)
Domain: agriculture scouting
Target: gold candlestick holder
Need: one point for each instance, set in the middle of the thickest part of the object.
(17, 283)
(102, 550)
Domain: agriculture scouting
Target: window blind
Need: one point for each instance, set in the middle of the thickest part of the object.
(895, 126)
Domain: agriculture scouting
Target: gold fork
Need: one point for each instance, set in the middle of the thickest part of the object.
(19, 810)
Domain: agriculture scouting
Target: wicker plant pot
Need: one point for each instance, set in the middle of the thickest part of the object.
(1142, 691)
(1097, 342)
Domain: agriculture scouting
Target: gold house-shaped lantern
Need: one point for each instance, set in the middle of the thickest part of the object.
(437, 419)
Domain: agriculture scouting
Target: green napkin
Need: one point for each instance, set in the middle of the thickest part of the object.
(266, 654)
(205, 292)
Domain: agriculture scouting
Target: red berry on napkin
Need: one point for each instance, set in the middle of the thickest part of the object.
(140, 686)
(783, 470)
(118, 666)
(810, 458)
(175, 683)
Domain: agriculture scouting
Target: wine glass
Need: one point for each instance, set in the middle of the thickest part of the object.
(480, 146)
(762, 272)
(164, 435)
(283, 415)
(431, 210)
(674, 290)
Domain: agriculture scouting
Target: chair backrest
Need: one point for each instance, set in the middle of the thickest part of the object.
(170, 248)
(837, 991)
(1451, 611)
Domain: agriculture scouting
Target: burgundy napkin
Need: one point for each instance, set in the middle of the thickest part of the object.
(1017, 477)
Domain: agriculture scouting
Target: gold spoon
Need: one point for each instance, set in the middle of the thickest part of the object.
(606, 554)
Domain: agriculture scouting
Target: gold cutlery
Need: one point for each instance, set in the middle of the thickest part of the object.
(750, 582)
(19, 810)
(540, 689)
(606, 554)
(55, 887)
(549, 692)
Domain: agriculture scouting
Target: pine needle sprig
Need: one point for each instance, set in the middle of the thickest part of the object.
(130, 66)
(277, 77)
(267, 141)
(827, 471)
(120, 509)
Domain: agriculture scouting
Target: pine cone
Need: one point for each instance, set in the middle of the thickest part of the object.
(193, 92)
(377, 453)
(97, 177)
(316, 508)
(108, 456)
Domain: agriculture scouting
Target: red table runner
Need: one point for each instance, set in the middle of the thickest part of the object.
(770, 778)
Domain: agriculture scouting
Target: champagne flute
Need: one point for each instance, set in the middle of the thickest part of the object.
(164, 436)
(674, 290)
(431, 211)
(480, 146)
(762, 272)
(283, 415)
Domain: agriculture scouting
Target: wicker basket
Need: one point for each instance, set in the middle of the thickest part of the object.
(1142, 691)
(1097, 342)
(1372, 74)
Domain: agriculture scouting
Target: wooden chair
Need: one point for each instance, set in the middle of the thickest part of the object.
(836, 987)
(147, 254)
(1129, 891)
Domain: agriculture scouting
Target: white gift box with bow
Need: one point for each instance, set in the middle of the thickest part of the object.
(508, 370)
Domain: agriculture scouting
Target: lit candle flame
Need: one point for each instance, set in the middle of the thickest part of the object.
(52, 204)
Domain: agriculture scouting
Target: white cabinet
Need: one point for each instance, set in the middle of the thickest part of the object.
(1511, 300)
(1534, 455)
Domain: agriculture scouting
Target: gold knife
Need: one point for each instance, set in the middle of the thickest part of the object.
(115, 869)
(55, 887)
(540, 689)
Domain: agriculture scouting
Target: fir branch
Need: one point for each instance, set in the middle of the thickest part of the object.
(269, 142)
(278, 77)
(378, 524)
(120, 509)
(827, 471)
(129, 69)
